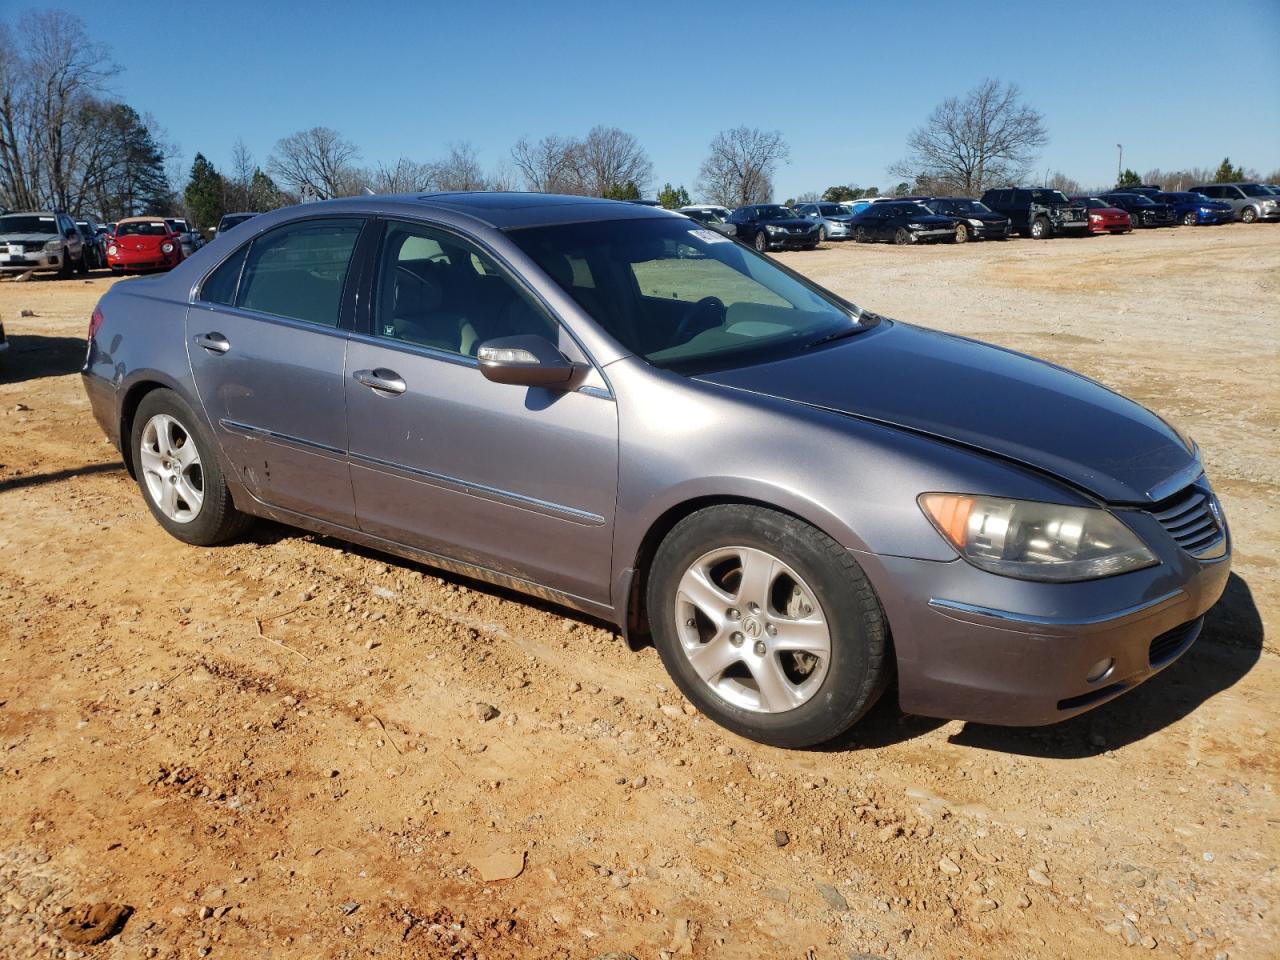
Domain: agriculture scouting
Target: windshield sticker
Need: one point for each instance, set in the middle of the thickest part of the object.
(710, 236)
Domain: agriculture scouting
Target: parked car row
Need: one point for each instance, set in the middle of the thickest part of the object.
(51, 241)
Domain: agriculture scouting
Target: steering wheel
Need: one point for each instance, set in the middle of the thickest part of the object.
(706, 313)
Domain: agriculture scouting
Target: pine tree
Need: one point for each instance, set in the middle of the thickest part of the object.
(673, 198)
(1226, 173)
(205, 192)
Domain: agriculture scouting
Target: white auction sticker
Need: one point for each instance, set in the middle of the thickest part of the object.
(710, 236)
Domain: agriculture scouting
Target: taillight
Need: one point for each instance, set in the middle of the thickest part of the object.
(95, 322)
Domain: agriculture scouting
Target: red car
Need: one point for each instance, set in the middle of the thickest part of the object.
(1104, 218)
(143, 243)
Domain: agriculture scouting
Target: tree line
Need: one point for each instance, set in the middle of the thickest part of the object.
(66, 143)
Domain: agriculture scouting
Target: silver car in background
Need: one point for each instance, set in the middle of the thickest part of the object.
(833, 220)
(609, 406)
(1251, 201)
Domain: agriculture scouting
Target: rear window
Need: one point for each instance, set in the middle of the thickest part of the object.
(298, 271)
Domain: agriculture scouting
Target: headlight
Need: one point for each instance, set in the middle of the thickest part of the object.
(1268, 203)
(53, 246)
(916, 226)
(974, 222)
(769, 229)
(1036, 541)
(111, 250)
(166, 248)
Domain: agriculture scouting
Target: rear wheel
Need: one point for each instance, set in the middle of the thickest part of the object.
(902, 236)
(1249, 214)
(178, 472)
(767, 625)
(762, 243)
(1039, 228)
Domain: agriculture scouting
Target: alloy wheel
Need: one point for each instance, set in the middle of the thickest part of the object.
(171, 468)
(962, 233)
(752, 629)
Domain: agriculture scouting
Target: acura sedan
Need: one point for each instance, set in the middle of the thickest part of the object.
(615, 408)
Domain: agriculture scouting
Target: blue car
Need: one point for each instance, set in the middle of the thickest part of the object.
(1195, 209)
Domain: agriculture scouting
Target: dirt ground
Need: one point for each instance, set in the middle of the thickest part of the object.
(289, 748)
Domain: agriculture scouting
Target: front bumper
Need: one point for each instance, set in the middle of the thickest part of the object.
(991, 231)
(146, 260)
(936, 233)
(35, 260)
(978, 647)
(791, 241)
(1210, 217)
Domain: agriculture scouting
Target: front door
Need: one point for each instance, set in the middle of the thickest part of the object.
(518, 480)
(269, 359)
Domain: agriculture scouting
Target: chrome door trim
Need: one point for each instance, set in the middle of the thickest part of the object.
(284, 439)
(483, 491)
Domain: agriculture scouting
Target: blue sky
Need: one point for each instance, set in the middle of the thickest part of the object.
(1178, 83)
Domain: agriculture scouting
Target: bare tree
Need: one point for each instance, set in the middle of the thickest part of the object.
(986, 138)
(1060, 181)
(606, 160)
(459, 170)
(740, 167)
(407, 176)
(546, 165)
(317, 164)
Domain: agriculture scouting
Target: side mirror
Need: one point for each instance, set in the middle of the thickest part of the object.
(528, 361)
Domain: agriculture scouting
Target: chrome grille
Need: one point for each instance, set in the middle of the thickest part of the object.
(1192, 519)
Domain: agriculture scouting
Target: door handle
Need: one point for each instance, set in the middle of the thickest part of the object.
(213, 342)
(382, 380)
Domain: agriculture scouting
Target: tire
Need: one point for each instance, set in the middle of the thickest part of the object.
(1040, 229)
(761, 243)
(214, 519)
(962, 233)
(1189, 219)
(902, 236)
(822, 233)
(83, 266)
(66, 269)
(1249, 215)
(860, 234)
(840, 684)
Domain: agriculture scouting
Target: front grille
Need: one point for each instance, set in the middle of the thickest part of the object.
(1172, 642)
(1191, 519)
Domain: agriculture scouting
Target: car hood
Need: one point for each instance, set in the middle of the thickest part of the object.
(136, 240)
(798, 222)
(987, 398)
(27, 237)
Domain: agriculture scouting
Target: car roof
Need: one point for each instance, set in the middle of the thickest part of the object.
(503, 210)
(143, 220)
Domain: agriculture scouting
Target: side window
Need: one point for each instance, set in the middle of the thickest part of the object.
(1235, 193)
(220, 286)
(436, 290)
(298, 271)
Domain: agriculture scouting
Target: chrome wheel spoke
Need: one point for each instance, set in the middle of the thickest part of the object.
(803, 636)
(171, 468)
(152, 462)
(757, 577)
(776, 691)
(168, 498)
(697, 588)
(188, 494)
(187, 453)
(711, 659)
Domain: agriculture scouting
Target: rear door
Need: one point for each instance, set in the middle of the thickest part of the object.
(268, 353)
(518, 480)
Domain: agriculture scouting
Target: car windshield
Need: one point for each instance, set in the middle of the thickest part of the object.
(142, 228)
(968, 206)
(1048, 196)
(1140, 200)
(18, 223)
(777, 213)
(913, 209)
(684, 298)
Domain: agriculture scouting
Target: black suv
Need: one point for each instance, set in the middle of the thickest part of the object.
(1142, 210)
(1039, 212)
(771, 226)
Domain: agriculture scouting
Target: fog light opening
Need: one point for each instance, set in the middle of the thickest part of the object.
(1101, 670)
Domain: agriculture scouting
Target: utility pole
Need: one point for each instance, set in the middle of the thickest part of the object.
(1119, 162)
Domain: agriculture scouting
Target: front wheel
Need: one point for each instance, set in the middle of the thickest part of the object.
(762, 243)
(1188, 219)
(902, 236)
(66, 269)
(83, 266)
(1039, 228)
(962, 233)
(177, 469)
(767, 625)
(822, 234)
(860, 235)
(1249, 214)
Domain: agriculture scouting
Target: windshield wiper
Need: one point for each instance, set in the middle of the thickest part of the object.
(866, 321)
